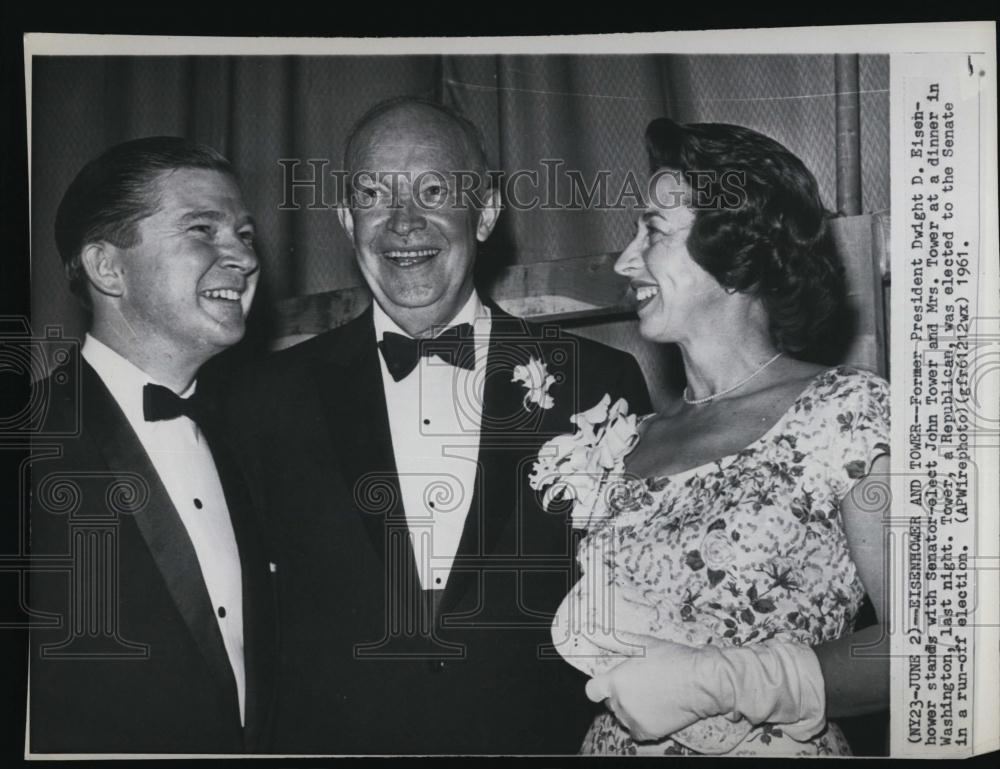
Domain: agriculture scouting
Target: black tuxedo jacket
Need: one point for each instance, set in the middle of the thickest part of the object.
(367, 665)
(126, 655)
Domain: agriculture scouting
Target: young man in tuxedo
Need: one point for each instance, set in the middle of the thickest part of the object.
(418, 573)
(154, 619)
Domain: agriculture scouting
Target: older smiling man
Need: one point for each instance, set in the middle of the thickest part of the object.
(418, 573)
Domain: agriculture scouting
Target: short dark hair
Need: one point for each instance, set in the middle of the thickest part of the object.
(473, 136)
(113, 192)
(765, 233)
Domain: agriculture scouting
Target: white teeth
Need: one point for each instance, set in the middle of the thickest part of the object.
(644, 292)
(411, 254)
(228, 294)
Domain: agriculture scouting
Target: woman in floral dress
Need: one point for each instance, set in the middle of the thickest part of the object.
(730, 539)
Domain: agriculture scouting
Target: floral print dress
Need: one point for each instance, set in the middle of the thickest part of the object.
(737, 551)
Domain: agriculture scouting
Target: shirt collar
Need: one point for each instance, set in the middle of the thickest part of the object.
(473, 312)
(123, 378)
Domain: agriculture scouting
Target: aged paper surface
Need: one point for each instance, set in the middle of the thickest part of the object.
(942, 536)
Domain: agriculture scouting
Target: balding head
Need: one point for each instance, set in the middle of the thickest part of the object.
(417, 123)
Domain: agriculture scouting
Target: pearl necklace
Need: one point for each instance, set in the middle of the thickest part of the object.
(728, 390)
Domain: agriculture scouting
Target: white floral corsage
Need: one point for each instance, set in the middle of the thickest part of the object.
(579, 467)
(537, 380)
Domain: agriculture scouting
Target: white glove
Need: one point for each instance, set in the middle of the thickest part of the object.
(674, 686)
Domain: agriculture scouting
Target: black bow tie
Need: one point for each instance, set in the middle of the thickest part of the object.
(161, 403)
(454, 345)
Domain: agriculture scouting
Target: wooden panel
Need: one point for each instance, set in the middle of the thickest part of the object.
(315, 313)
(564, 289)
(881, 227)
(853, 236)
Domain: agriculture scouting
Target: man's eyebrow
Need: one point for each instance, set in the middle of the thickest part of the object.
(214, 216)
(209, 214)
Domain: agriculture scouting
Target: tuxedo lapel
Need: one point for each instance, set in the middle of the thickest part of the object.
(350, 380)
(506, 434)
(159, 524)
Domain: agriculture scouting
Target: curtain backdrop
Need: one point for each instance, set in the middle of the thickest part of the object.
(586, 113)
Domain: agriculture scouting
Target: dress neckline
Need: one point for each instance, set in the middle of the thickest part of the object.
(722, 462)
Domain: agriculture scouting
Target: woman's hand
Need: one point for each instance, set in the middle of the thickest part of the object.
(674, 686)
(663, 692)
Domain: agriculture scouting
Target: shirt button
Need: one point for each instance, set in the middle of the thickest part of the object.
(222, 612)
(427, 421)
(197, 503)
(431, 504)
(437, 580)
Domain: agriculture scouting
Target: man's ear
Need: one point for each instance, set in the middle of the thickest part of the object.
(346, 219)
(102, 263)
(488, 215)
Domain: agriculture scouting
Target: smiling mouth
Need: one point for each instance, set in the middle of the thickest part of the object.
(410, 257)
(645, 293)
(223, 294)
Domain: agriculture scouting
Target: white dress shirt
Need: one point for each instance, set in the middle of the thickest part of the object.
(434, 416)
(187, 470)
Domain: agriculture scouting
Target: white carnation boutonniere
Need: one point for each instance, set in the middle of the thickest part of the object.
(536, 379)
(583, 467)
